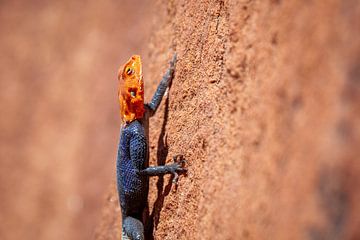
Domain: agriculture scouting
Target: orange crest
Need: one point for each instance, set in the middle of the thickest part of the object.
(131, 90)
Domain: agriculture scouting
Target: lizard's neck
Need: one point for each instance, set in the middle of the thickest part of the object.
(126, 124)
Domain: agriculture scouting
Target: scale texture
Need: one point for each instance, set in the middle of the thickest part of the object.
(132, 157)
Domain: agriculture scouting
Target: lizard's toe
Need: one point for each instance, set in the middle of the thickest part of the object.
(178, 158)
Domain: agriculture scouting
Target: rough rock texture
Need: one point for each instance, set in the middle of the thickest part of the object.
(265, 106)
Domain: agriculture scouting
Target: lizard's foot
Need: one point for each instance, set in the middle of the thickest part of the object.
(178, 166)
(179, 158)
(167, 79)
(173, 62)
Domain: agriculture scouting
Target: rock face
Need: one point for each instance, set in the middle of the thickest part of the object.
(265, 106)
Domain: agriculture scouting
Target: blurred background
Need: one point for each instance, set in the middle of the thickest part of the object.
(59, 111)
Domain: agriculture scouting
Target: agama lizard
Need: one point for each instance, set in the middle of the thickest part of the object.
(132, 166)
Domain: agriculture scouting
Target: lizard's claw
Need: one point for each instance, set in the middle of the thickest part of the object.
(176, 178)
(172, 64)
(178, 164)
(179, 159)
(167, 79)
(173, 60)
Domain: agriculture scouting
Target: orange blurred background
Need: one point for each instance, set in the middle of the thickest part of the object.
(59, 112)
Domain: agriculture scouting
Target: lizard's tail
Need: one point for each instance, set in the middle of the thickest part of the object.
(133, 228)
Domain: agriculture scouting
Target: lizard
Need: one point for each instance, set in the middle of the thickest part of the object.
(132, 165)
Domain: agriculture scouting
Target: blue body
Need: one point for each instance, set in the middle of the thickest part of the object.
(132, 158)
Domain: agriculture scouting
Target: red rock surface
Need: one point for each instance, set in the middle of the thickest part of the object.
(265, 107)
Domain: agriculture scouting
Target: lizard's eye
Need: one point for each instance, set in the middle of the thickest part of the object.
(129, 71)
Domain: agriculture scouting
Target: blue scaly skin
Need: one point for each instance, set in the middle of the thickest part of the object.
(132, 164)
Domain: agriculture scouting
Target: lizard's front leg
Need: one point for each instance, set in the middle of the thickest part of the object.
(164, 84)
(173, 168)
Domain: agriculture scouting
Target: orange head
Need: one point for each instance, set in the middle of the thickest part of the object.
(131, 90)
